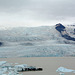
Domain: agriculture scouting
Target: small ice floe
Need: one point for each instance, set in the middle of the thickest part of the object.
(25, 67)
(7, 69)
(62, 70)
(21, 67)
(2, 62)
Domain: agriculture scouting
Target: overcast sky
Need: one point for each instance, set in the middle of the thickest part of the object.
(36, 12)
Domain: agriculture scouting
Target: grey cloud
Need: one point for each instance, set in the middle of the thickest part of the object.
(39, 9)
(13, 5)
(55, 7)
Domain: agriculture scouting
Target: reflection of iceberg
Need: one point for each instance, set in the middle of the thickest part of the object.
(62, 70)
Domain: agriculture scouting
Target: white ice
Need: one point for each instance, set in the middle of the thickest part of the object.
(62, 69)
(8, 69)
(22, 65)
(2, 62)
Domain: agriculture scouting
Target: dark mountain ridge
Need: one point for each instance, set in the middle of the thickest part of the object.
(62, 29)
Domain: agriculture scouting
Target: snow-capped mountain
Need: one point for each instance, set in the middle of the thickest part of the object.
(41, 41)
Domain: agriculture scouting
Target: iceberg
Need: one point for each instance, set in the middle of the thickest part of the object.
(7, 69)
(2, 62)
(62, 70)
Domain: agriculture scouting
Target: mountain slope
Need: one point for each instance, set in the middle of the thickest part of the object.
(63, 32)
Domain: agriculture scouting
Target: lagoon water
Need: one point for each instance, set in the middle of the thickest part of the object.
(49, 64)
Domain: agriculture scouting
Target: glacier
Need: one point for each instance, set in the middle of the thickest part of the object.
(43, 41)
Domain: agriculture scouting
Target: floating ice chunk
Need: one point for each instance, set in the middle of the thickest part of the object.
(2, 71)
(23, 65)
(20, 67)
(62, 69)
(9, 69)
(2, 62)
